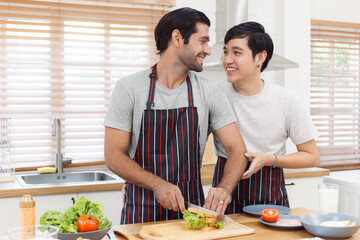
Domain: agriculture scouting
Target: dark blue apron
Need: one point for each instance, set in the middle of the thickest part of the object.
(267, 186)
(168, 146)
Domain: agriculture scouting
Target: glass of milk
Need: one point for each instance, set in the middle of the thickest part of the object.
(328, 197)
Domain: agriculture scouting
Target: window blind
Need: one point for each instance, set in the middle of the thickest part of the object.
(335, 91)
(62, 58)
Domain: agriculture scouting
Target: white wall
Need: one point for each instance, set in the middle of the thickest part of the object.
(336, 10)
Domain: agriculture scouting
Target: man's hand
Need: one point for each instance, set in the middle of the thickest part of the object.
(259, 160)
(169, 196)
(217, 200)
(124, 190)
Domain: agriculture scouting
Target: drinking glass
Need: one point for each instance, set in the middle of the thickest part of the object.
(328, 197)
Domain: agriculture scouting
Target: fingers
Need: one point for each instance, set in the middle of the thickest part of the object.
(169, 196)
(180, 201)
(218, 199)
(249, 172)
(124, 189)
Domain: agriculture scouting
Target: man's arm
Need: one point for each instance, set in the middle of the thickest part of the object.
(219, 197)
(306, 156)
(117, 160)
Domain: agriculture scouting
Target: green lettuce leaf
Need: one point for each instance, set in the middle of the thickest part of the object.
(67, 221)
(192, 220)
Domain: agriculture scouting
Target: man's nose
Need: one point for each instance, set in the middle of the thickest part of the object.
(207, 50)
(227, 59)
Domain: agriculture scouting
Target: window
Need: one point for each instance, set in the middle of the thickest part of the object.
(335, 91)
(62, 58)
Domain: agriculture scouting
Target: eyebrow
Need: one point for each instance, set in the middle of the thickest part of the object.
(234, 48)
(205, 38)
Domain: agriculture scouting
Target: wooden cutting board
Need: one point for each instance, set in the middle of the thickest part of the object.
(178, 231)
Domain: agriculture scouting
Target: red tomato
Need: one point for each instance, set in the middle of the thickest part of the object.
(270, 215)
(87, 223)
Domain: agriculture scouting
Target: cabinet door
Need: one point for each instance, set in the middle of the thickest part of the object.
(58, 202)
(303, 192)
(10, 208)
(112, 202)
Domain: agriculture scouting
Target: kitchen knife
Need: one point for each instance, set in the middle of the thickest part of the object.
(220, 217)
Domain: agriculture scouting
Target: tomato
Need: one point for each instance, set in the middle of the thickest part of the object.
(87, 223)
(270, 215)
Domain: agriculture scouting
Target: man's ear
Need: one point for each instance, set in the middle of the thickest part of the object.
(262, 57)
(176, 38)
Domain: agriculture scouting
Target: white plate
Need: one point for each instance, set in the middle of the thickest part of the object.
(281, 217)
(256, 209)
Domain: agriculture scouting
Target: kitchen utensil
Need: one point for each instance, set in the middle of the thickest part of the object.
(33, 232)
(311, 223)
(255, 210)
(177, 231)
(94, 235)
(220, 217)
(283, 226)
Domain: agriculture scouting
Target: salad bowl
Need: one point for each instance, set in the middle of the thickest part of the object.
(94, 235)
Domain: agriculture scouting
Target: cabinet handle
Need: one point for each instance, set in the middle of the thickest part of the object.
(289, 184)
(73, 199)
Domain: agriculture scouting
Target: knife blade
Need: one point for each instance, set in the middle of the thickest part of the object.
(220, 217)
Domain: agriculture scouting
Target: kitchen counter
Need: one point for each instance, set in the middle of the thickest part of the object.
(14, 189)
(261, 231)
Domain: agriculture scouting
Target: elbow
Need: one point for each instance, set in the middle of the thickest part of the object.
(316, 158)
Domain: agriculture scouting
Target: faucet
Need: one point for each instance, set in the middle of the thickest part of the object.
(58, 157)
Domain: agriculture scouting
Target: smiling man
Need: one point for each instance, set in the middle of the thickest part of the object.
(158, 122)
(267, 115)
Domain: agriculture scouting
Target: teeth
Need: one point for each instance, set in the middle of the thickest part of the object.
(230, 69)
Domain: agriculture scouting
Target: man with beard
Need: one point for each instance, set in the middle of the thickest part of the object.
(158, 122)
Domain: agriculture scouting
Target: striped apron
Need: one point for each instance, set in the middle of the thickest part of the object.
(168, 146)
(267, 186)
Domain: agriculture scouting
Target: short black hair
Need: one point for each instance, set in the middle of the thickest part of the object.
(183, 19)
(258, 39)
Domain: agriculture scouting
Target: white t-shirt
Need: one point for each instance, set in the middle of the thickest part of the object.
(266, 120)
(129, 97)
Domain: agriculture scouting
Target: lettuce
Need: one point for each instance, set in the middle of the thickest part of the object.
(192, 220)
(67, 221)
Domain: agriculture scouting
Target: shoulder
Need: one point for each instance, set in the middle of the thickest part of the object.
(135, 78)
(280, 91)
(201, 80)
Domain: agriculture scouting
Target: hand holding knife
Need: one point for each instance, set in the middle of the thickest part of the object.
(221, 217)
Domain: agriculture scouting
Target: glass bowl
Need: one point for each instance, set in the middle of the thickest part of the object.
(33, 232)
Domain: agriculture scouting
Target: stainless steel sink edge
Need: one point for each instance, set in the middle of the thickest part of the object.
(66, 178)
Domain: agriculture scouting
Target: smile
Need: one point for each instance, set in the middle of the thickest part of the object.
(230, 69)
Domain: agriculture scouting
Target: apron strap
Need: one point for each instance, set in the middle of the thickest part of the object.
(190, 92)
(152, 76)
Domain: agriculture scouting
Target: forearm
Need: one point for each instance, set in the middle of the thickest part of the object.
(233, 170)
(306, 156)
(297, 160)
(129, 170)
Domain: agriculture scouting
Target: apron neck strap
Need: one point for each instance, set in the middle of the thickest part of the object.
(152, 76)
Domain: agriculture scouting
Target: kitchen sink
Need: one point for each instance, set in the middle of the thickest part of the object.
(66, 178)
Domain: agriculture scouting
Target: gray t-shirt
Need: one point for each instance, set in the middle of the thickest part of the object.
(129, 97)
(266, 120)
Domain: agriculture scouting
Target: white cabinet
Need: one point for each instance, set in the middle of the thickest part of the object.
(10, 208)
(111, 200)
(303, 192)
